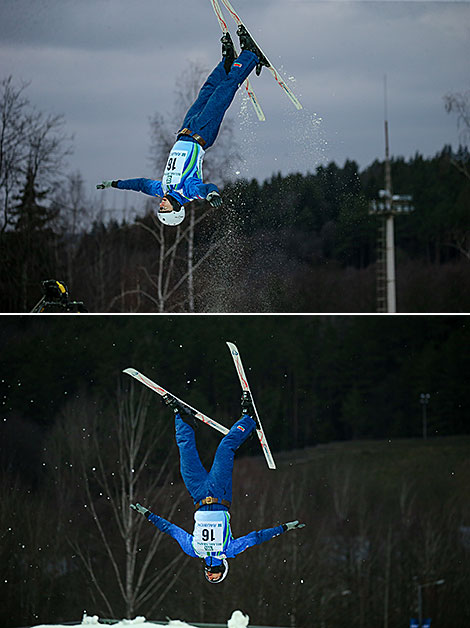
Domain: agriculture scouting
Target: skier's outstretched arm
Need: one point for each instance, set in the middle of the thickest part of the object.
(183, 538)
(147, 186)
(255, 538)
(196, 189)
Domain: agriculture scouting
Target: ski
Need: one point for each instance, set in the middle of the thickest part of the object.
(248, 87)
(280, 81)
(245, 386)
(162, 392)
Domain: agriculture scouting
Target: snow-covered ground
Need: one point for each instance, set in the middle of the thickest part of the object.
(238, 620)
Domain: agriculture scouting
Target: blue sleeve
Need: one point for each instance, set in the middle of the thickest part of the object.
(254, 538)
(195, 188)
(147, 186)
(181, 536)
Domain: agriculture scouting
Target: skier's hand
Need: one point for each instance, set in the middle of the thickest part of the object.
(139, 508)
(214, 199)
(104, 184)
(292, 525)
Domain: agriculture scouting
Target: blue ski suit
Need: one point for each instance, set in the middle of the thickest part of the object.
(183, 179)
(217, 484)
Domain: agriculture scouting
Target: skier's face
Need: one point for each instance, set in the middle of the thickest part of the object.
(165, 205)
(213, 577)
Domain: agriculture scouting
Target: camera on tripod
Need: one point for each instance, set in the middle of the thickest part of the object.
(56, 300)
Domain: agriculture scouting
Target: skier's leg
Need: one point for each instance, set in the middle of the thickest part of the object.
(220, 475)
(213, 81)
(207, 122)
(192, 470)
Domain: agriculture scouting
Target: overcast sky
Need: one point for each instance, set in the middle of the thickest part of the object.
(108, 65)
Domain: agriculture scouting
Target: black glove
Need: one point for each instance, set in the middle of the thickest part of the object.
(106, 184)
(214, 199)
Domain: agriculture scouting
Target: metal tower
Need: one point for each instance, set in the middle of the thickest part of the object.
(386, 207)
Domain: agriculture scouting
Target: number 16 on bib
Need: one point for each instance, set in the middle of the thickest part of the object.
(245, 386)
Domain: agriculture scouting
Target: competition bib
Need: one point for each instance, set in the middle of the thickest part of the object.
(174, 168)
(208, 535)
(184, 161)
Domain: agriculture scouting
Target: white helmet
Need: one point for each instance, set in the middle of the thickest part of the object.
(222, 568)
(172, 219)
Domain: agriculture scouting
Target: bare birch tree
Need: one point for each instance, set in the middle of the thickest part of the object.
(13, 128)
(110, 469)
(459, 104)
(33, 147)
(171, 279)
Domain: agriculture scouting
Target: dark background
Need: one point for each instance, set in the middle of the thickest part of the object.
(317, 378)
(339, 400)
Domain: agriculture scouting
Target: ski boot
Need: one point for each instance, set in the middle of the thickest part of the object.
(228, 51)
(247, 404)
(247, 408)
(180, 408)
(247, 43)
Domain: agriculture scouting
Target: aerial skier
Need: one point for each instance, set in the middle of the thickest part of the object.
(212, 539)
(182, 180)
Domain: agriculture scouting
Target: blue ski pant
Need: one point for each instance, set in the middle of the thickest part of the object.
(215, 97)
(218, 482)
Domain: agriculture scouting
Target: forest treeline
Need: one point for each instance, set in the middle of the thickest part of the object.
(317, 379)
(295, 243)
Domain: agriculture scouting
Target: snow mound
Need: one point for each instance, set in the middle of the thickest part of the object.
(238, 620)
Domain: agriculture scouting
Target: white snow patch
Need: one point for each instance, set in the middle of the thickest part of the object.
(138, 622)
(238, 620)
